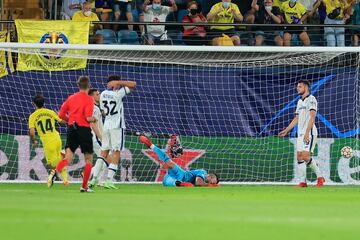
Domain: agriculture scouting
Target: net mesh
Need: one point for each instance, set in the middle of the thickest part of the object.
(227, 107)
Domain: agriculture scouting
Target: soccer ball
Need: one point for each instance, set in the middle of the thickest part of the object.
(347, 152)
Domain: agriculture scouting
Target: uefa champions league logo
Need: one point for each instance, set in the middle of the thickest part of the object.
(53, 38)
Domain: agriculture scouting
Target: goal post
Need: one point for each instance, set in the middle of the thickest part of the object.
(227, 104)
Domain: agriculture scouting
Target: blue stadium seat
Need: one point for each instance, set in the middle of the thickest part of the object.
(128, 37)
(108, 35)
(176, 37)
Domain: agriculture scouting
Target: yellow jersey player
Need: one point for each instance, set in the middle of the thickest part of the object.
(43, 121)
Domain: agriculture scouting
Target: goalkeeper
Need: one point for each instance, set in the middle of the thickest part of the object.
(176, 176)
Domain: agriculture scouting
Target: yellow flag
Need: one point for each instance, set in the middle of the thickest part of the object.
(6, 63)
(54, 32)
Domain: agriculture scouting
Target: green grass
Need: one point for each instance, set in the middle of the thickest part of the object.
(31, 211)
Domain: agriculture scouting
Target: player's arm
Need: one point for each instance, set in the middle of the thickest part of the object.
(96, 130)
(89, 109)
(310, 125)
(293, 123)
(32, 137)
(57, 118)
(118, 84)
(199, 182)
(32, 131)
(63, 111)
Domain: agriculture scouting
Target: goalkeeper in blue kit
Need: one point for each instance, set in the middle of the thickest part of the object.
(176, 176)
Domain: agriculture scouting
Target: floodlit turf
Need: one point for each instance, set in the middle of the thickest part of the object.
(31, 211)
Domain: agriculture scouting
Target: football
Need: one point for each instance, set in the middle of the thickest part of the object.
(347, 152)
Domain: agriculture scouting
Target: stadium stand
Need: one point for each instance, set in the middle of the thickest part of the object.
(112, 11)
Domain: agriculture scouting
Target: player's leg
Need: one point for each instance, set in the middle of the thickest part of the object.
(63, 172)
(311, 162)
(174, 170)
(99, 167)
(86, 145)
(161, 154)
(301, 165)
(117, 143)
(112, 169)
(102, 161)
(53, 156)
(71, 145)
(169, 181)
(51, 159)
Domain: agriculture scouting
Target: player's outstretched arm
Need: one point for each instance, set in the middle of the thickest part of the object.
(285, 132)
(118, 84)
(32, 137)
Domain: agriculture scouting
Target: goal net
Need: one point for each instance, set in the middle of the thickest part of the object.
(226, 104)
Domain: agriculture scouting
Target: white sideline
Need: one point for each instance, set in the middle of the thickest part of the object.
(107, 47)
(158, 183)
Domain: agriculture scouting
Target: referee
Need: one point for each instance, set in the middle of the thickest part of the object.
(77, 110)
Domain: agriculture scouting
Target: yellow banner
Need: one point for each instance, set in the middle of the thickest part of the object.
(54, 32)
(6, 63)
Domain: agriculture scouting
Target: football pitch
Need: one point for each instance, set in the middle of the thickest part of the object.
(32, 211)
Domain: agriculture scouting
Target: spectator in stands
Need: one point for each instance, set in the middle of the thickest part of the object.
(139, 7)
(224, 12)
(268, 14)
(294, 13)
(123, 6)
(313, 17)
(194, 35)
(356, 21)
(336, 13)
(87, 15)
(156, 13)
(70, 7)
(103, 9)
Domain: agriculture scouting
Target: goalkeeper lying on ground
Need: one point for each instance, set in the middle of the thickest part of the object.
(176, 176)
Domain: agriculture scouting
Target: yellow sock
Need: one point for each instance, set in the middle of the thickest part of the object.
(64, 175)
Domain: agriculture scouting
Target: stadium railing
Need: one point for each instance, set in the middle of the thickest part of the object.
(246, 32)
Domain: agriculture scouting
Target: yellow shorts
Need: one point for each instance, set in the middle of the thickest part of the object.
(52, 150)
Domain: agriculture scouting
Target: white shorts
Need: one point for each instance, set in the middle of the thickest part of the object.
(96, 146)
(113, 140)
(303, 147)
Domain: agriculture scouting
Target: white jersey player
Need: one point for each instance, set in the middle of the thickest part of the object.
(98, 128)
(307, 132)
(113, 134)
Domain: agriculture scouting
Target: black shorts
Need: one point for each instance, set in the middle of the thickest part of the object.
(79, 136)
(294, 30)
